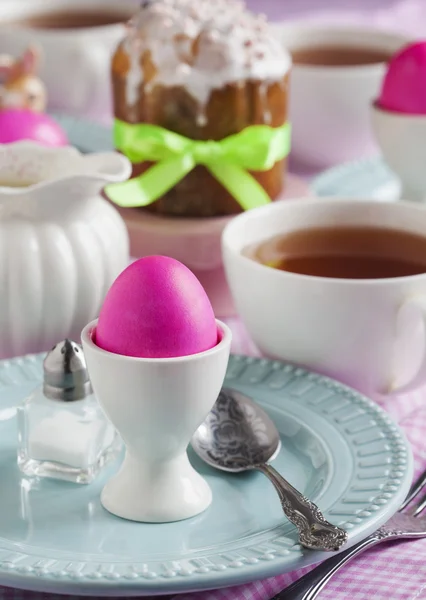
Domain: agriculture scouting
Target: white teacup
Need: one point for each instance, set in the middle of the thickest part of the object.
(368, 333)
(76, 61)
(330, 105)
(156, 405)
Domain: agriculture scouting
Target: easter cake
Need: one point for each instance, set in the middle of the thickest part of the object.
(206, 70)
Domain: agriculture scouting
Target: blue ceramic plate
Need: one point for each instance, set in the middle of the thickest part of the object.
(338, 448)
(365, 178)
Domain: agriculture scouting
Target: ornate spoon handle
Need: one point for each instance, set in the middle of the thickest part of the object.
(314, 531)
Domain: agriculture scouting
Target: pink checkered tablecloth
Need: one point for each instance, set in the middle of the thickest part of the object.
(395, 571)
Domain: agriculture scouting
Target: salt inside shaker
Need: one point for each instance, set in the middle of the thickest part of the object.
(62, 431)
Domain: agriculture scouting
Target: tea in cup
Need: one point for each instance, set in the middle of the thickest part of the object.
(338, 286)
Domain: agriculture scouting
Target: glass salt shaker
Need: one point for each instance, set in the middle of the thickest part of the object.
(62, 431)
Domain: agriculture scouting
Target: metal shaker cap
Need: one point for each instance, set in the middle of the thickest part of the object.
(65, 373)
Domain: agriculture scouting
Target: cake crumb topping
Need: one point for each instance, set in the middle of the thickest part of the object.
(202, 45)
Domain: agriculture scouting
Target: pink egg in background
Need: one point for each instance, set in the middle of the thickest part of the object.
(156, 308)
(404, 86)
(21, 124)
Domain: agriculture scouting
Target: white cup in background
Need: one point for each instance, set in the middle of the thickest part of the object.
(75, 63)
(330, 105)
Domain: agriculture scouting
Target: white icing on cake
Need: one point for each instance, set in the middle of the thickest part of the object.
(202, 45)
(134, 77)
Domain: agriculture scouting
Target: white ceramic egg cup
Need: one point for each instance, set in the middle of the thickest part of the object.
(156, 405)
(402, 140)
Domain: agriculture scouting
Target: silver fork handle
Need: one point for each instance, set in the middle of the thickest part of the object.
(309, 586)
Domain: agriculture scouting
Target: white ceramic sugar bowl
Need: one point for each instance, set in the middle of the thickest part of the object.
(61, 243)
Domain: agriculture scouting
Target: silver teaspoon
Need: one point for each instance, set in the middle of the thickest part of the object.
(238, 435)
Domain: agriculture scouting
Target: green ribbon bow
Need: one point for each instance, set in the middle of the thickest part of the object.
(256, 148)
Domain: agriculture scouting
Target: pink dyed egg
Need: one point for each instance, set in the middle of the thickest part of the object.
(404, 87)
(20, 124)
(156, 308)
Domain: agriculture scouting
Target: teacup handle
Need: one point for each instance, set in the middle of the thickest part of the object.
(419, 378)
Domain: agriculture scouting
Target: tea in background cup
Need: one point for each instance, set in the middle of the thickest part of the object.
(338, 286)
(337, 72)
(77, 40)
